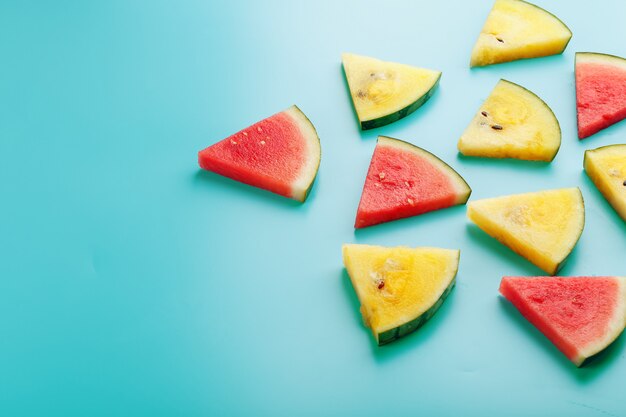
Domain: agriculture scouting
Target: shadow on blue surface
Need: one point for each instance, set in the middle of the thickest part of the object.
(400, 346)
(484, 240)
(589, 371)
(211, 179)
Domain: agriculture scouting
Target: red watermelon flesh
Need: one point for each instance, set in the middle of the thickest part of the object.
(404, 180)
(600, 92)
(580, 315)
(280, 154)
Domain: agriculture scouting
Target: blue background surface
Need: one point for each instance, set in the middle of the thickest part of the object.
(132, 284)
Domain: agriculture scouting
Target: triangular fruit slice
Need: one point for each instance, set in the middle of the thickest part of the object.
(515, 30)
(404, 180)
(606, 166)
(280, 154)
(512, 123)
(580, 315)
(600, 91)
(543, 227)
(399, 288)
(383, 92)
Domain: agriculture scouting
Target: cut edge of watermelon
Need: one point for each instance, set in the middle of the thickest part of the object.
(543, 104)
(462, 188)
(539, 9)
(599, 58)
(475, 212)
(614, 329)
(533, 97)
(384, 337)
(592, 157)
(403, 112)
(399, 112)
(556, 19)
(302, 185)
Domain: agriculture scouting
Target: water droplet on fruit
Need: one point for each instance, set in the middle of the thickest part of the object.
(381, 175)
(262, 142)
(410, 201)
(407, 184)
(258, 129)
(233, 141)
(245, 134)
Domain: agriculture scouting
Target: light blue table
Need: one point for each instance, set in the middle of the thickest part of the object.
(132, 284)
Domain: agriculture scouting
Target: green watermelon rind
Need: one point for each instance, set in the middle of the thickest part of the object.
(556, 121)
(575, 241)
(616, 324)
(617, 327)
(585, 161)
(556, 18)
(402, 113)
(302, 186)
(600, 58)
(544, 104)
(389, 336)
(502, 239)
(463, 189)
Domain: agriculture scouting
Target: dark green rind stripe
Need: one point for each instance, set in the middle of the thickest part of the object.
(395, 116)
(598, 355)
(403, 330)
(558, 125)
(306, 193)
(556, 18)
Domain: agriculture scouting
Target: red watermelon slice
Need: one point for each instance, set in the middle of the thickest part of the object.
(580, 315)
(600, 91)
(404, 180)
(280, 154)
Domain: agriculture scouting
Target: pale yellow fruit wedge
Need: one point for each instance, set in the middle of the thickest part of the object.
(606, 166)
(399, 288)
(515, 30)
(543, 226)
(512, 123)
(383, 92)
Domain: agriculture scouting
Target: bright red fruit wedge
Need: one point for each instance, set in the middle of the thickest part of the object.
(404, 180)
(600, 91)
(280, 154)
(580, 315)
